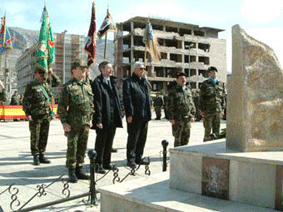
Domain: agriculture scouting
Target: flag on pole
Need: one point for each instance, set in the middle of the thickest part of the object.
(45, 54)
(5, 37)
(151, 43)
(107, 25)
(91, 39)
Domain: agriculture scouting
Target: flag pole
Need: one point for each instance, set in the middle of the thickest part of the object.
(1, 73)
(6, 71)
(145, 60)
(105, 46)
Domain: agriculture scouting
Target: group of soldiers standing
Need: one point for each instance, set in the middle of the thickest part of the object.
(97, 104)
(181, 106)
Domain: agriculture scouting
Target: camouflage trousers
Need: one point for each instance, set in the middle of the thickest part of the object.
(39, 129)
(211, 122)
(77, 144)
(181, 130)
(158, 112)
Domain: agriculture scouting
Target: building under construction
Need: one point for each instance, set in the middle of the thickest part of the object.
(69, 48)
(183, 47)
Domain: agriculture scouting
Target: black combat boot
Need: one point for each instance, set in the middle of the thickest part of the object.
(36, 160)
(43, 159)
(81, 175)
(72, 176)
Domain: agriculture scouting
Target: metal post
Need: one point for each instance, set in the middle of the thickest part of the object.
(6, 73)
(92, 155)
(64, 71)
(189, 46)
(164, 165)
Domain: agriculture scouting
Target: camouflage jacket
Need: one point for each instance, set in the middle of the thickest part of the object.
(212, 96)
(158, 102)
(3, 97)
(35, 102)
(180, 103)
(15, 99)
(76, 103)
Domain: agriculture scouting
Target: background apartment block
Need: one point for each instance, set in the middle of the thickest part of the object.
(184, 47)
(74, 50)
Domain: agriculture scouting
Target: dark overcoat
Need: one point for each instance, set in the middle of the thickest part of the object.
(136, 98)
(101, 90)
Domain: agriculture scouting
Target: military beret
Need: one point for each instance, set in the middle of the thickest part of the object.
(212, 68)
(181, 74)
(79, 63)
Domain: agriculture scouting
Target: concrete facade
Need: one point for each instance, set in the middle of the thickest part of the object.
(74, 50)
(183, 47)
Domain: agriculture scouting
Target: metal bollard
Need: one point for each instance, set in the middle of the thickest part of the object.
(164, 165)
(92, 155)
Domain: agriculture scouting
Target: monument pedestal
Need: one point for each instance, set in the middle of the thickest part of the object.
(212, 170)
(204, 177)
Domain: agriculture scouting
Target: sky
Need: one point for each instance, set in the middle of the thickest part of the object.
(261, 19)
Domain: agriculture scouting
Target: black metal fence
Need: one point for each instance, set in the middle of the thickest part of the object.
(17, 206)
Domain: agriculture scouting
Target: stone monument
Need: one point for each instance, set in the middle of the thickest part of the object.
(255, 92)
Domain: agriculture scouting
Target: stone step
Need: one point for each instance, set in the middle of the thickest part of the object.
(152, 194)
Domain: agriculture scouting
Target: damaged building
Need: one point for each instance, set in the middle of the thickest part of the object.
(183, 47)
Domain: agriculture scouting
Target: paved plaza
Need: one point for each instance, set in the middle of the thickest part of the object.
(16, 163)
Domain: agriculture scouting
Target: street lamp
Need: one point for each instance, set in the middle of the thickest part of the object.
(189, 46)
(64, 75)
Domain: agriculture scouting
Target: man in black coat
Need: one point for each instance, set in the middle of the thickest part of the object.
(136, 98)
(107, 116)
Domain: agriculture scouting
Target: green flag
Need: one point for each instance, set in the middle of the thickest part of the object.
(45, 54)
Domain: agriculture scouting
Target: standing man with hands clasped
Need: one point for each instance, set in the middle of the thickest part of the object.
(37, 104)
(181, 110)
(212, 95)
(138, 113)
(75, 111)
(107, 116)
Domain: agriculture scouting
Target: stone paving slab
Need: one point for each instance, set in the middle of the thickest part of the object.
(16, 162)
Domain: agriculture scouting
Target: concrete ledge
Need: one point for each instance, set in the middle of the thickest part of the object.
(152, 194)
(217, 149)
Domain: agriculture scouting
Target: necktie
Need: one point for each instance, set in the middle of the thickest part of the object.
(108, 82)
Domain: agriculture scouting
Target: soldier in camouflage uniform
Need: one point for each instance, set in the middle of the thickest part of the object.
(3, 95)
(75, 110)
(15, 99)
(37, 106)
(212, 94)
(158, 103)
(181, 110)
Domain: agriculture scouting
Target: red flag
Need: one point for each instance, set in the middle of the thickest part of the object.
(91, 39)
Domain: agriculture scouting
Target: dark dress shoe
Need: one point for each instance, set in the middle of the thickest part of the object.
(43, 159)
(100, 170)
(36, 160)
(132, 165)
(109, 166)
(142, 162)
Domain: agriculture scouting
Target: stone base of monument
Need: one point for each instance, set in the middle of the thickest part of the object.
(212, 170)
(203, 177)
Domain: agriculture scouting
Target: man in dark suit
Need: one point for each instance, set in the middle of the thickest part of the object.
(107, 115)
(136, 98)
